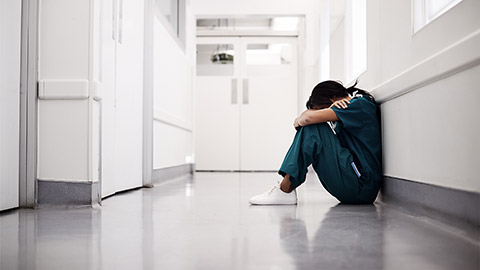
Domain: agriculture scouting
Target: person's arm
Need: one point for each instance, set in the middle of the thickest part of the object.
(310, 117)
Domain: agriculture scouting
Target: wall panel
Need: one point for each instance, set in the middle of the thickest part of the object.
(173, 100)
(426, 83)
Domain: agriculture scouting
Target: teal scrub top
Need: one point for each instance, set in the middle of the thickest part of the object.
(358, 130)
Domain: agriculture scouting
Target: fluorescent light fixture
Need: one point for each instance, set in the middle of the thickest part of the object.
(285, 23)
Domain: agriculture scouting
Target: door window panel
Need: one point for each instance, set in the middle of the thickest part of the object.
(425, 11)
(215, 59)
(269, 54)
(267, 59)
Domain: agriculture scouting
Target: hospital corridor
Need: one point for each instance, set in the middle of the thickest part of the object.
(239, 134)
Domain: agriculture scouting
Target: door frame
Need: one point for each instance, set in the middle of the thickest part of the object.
(148, 93)
(28, 104)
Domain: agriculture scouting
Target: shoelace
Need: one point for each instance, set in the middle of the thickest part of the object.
(272, 188)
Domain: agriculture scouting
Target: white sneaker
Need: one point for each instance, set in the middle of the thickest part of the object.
(275, 196)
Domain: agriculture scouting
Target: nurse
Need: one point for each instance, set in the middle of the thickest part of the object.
(339, 135)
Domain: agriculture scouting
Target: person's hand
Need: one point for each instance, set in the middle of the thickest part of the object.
(341, 104)
(296, 125)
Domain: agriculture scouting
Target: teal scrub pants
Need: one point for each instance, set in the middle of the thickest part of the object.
(317, 145)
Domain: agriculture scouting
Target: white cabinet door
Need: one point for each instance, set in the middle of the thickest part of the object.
(10, 29)
(245, 109)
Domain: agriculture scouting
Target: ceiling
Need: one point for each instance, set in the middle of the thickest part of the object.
(266, 23)
(253, 24)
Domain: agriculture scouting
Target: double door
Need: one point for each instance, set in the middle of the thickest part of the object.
(246, 101)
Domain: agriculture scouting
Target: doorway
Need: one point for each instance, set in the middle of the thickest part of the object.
(246, 100)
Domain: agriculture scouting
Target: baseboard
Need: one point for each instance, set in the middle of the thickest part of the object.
(67, 193)
(451, 202)
(88, 193)
(164, 174)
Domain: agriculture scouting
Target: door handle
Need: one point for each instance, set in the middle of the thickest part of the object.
(234, 91)
(245, 91)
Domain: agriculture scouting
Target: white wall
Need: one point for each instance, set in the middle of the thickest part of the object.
(173, 95)
(63, 140)
(68, 141)
(64, 121)
(337, 53)
(430, 134)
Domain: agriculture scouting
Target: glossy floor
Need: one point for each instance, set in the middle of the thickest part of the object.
(206, 223)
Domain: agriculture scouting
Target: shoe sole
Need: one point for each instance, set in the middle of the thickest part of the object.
(254, 203)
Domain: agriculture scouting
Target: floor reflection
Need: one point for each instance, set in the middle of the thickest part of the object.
(349, 237)
(208, 224)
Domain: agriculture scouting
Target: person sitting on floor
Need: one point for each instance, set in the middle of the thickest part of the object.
(339, 134)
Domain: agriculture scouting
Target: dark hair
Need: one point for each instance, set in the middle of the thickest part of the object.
(324, 92)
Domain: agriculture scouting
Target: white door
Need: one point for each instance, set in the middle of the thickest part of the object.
(108, 82)
(245, 108)
(122, 94)
(217, 130)
(269, 102)
(129, 95)
(10, 30)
